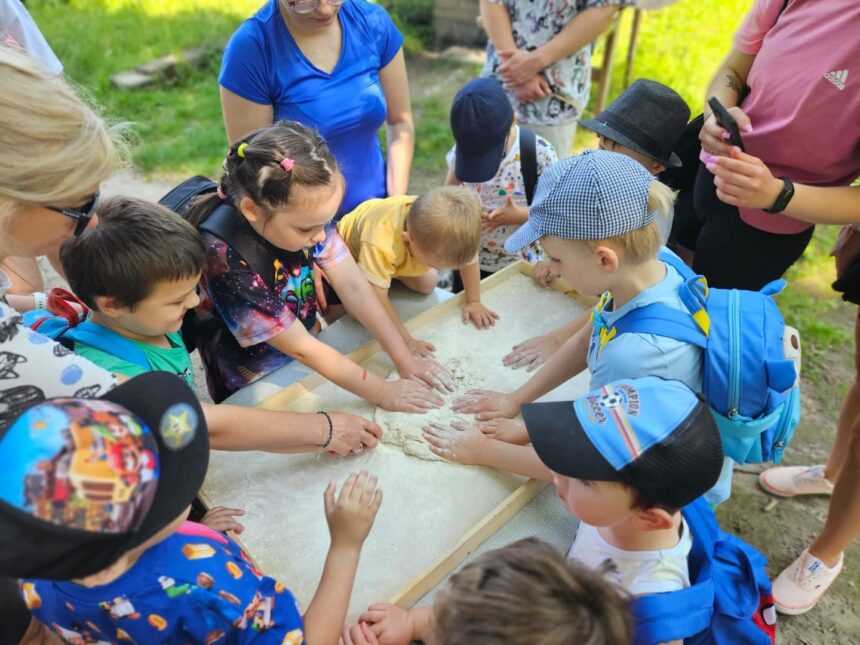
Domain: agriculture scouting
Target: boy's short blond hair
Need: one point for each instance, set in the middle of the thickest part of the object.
(527, 593)
(644, 243)
(446, 221)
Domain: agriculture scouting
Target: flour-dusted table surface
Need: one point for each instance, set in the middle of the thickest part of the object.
(543, 517)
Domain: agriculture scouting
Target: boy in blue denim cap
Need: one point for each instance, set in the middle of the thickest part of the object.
(596, 217)
(625, 459)
(93, 500)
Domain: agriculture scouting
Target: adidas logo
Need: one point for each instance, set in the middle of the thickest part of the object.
(837, 78)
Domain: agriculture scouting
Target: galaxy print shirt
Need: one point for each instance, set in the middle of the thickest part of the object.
(238, 313)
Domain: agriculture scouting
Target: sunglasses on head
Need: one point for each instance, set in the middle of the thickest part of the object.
(81, 215)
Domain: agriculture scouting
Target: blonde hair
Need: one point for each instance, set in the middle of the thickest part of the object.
(55, 147)
(446, 221)
(644, 243)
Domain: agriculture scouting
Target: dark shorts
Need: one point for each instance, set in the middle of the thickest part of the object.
(730, 253)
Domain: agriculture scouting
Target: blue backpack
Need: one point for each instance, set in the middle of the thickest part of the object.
(752, 359)
(59, 328)
(729, 599)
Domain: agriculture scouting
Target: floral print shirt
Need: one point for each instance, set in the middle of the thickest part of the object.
(492, 193)
(535, 22)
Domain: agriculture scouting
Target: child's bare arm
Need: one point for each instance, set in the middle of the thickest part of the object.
(534, 352)
(466, 444)
(473, 310)
(417, 347)
(355, 291)
(566, 363)
(402, 395)
(350, 518)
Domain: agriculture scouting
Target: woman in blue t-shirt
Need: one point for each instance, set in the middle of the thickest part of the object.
(335, 65)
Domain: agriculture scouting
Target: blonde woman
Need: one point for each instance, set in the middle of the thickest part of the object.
(56, 152)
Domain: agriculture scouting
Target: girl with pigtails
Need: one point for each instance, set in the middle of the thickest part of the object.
(284, 182)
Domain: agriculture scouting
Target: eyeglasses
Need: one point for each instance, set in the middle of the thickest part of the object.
(82, 215)
(306, 6)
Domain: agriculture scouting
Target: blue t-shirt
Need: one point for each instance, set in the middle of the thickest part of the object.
(635, 355)
(195, 586)
(263, 64)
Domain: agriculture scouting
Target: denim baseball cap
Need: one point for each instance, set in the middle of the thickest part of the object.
(654, 435)
(481, 117)
(83, 481)
(593, 196)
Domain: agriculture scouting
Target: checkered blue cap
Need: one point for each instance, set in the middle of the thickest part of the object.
(592, 196)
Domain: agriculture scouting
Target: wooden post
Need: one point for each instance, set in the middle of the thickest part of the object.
(631, 49)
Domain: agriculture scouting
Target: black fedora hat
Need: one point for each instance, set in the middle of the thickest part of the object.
(647, 117)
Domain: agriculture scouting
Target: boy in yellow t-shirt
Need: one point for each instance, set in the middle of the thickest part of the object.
(408, 238)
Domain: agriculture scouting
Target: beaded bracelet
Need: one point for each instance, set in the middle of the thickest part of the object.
(330, 429)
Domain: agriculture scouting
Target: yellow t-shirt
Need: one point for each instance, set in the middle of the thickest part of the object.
(373, 233)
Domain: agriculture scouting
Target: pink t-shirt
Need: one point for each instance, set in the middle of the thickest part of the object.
(804, 100)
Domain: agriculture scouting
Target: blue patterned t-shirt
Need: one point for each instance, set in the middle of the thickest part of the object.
(195, 586)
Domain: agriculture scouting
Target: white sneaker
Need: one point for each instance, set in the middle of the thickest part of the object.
(800, 586)
(788, 481)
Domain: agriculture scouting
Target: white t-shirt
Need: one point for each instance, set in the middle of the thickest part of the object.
(34, 368)
(17, 29)
(639, 572)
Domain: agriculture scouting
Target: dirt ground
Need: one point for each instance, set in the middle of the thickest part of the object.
(780, 532)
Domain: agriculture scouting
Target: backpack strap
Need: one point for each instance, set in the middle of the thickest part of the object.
(528, 162)
(108, 341)
(180, 197)
(227, 223)
(662, 320)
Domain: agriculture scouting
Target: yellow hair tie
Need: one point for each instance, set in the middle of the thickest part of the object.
(241, 150)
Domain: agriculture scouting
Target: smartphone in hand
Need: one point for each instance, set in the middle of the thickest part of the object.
(726, 121)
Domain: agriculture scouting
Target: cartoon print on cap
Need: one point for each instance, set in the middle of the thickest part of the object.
(85, 465)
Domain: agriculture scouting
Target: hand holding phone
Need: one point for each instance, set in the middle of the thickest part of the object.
(726, 121)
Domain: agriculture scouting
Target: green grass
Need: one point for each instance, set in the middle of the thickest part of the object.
(177, 125)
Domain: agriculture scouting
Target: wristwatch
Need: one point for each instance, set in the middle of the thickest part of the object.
(783, 198)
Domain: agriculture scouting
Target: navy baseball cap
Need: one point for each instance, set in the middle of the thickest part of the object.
(593, 196)
(481, 117)
(83, 481)
(654, 435)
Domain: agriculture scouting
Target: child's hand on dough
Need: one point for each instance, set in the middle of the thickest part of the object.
(221, 519)
(532, 353)
(351, 515)
(460, 442)
(420, 348)
(479, 315)
(486, 405)
(508, 430)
